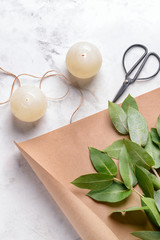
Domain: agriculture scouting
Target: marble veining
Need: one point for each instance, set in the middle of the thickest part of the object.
(35, 36)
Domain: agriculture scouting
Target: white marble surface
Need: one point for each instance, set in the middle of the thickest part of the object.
(34, 38)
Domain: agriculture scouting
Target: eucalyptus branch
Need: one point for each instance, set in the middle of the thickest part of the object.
(138, 192)
(155, 172)
(118, 180)
(139, 149)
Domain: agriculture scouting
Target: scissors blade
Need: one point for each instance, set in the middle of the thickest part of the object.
(121, 91)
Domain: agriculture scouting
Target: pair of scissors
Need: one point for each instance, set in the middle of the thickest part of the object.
(141, 63)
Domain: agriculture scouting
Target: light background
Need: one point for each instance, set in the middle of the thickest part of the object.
(34, 38)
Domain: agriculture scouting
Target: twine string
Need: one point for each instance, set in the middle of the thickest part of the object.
(67, 81)
(13, 84)
(80, 104)
(54, 73)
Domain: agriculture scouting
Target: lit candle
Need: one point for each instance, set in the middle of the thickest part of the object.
(28, 103)
(83, 60)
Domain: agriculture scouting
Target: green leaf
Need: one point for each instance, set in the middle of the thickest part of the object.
(114, 149)
(147, 235)
(129, 102)
(131, 209)
(153, 150)
(118, 117)
(126, 169)
(102, 162)
(138, 155)
(114, 193)
(94, 181)
(158, 125)
(137, 126)
(152, 212)
(144, 181)
(157, 199)
(155, 180)
(155, 137)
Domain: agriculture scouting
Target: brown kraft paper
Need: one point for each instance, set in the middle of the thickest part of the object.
(62, 155)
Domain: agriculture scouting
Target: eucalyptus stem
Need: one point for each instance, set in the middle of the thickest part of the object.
(118, 180)
(138, 193)
(155, 172)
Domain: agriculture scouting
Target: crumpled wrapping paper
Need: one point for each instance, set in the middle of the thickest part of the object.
(62, 155)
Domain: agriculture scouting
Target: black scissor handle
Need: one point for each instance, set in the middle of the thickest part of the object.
(146, 59)
(145, 56)
(138, 62)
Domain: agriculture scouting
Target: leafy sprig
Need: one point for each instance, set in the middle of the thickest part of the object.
(138, 158)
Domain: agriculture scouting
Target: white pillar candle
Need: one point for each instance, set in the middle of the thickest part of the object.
(28, 103)
(83, 60)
